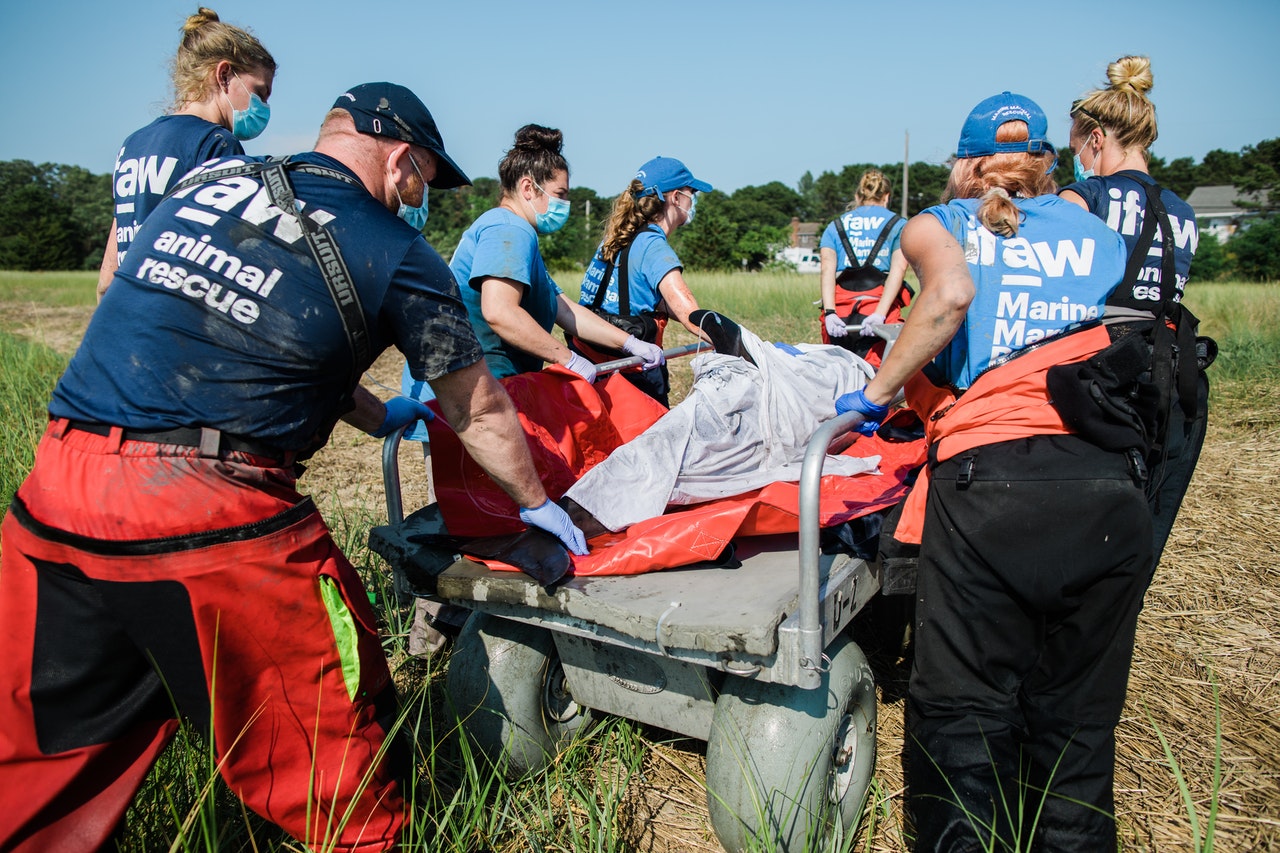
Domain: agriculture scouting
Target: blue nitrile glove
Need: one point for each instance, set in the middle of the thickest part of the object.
(402, 411)
(856, 401)
(787, 348)
(835, 326)
(553, 519)
(582, 367)
(869, 324)
(651, 353)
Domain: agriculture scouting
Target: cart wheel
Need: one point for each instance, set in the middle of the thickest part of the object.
(509, 690)
(791, 767)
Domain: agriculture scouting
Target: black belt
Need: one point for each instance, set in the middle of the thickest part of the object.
(210, 441)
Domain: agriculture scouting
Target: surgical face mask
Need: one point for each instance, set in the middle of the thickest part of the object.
(1081, 173)
(693, 206)
(250, 122)
(415, 216)
(556, 216)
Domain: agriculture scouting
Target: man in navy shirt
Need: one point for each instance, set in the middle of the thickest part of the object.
(160, 536)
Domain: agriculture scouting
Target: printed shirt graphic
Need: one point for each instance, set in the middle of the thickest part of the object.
(1120, 200)
(863, 226)
(651, 258)
(219, 317)
(1058, 271)
(501, 244)
(155, 158)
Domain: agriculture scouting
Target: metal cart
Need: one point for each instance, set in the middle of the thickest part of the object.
(752, 658)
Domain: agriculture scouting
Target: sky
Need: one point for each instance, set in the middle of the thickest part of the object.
(743, 92)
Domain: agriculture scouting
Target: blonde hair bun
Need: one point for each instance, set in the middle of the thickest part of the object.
(1131, 73)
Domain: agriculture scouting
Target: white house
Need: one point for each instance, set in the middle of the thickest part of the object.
(1217, 210)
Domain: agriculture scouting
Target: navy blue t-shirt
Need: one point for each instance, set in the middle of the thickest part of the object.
(1120, 200)
(219, 317)
(155, 158)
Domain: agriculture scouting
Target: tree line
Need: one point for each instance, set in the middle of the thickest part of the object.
(56, 217)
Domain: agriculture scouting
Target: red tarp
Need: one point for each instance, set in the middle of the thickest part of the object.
(572, 425)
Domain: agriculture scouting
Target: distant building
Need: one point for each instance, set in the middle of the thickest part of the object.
(804, 235)
(803, 251)
(1217, 210)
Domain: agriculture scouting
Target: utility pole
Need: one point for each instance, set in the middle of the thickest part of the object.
(906, 165)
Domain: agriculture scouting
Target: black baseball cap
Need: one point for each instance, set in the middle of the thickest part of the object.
(391, 110)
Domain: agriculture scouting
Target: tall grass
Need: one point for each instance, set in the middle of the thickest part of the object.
(28, 373)
(461, 804)
(53, 289)
(1245, 321)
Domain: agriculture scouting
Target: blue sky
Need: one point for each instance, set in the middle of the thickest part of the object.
(744, 92)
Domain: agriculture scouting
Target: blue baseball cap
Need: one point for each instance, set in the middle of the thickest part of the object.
(391, 110)
(661, 175)
(978, 136)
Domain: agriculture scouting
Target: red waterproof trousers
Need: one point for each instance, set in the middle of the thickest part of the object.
(136, 577)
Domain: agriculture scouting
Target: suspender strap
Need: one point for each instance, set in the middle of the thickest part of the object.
(328, 257)
(1155, 215)
(1182, 336)
(624, 282)
(875, 249)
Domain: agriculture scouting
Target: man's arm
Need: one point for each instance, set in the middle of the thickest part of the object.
(369, 411)
(110, 262)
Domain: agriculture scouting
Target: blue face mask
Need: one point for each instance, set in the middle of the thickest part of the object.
(693, 206)
(556, 216)
(249, 123)
(1078, 168)
(415, 216)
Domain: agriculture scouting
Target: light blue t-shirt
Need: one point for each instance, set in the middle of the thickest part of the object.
(649, 261)
(501, 244)
(1057, 272)
(863, 226)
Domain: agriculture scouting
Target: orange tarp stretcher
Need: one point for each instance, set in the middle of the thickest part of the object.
(571, 426)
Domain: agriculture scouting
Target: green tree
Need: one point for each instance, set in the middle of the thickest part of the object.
(1211, 261)
(1219, 168)
(1180, 175)
(1260, 172)
(758, 246)
(1257, 250)
(52, 217)
(711, 241)
(36, 231)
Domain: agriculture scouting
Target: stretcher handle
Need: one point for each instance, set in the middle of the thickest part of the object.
(635, 360)
(884, 331)
(391, 475)
(810, 629)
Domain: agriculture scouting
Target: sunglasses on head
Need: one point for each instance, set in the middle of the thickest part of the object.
(1077, 108)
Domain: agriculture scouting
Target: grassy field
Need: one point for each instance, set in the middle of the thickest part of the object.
(1203, 681)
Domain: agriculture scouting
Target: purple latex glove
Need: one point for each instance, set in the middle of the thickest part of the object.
(651, 353)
